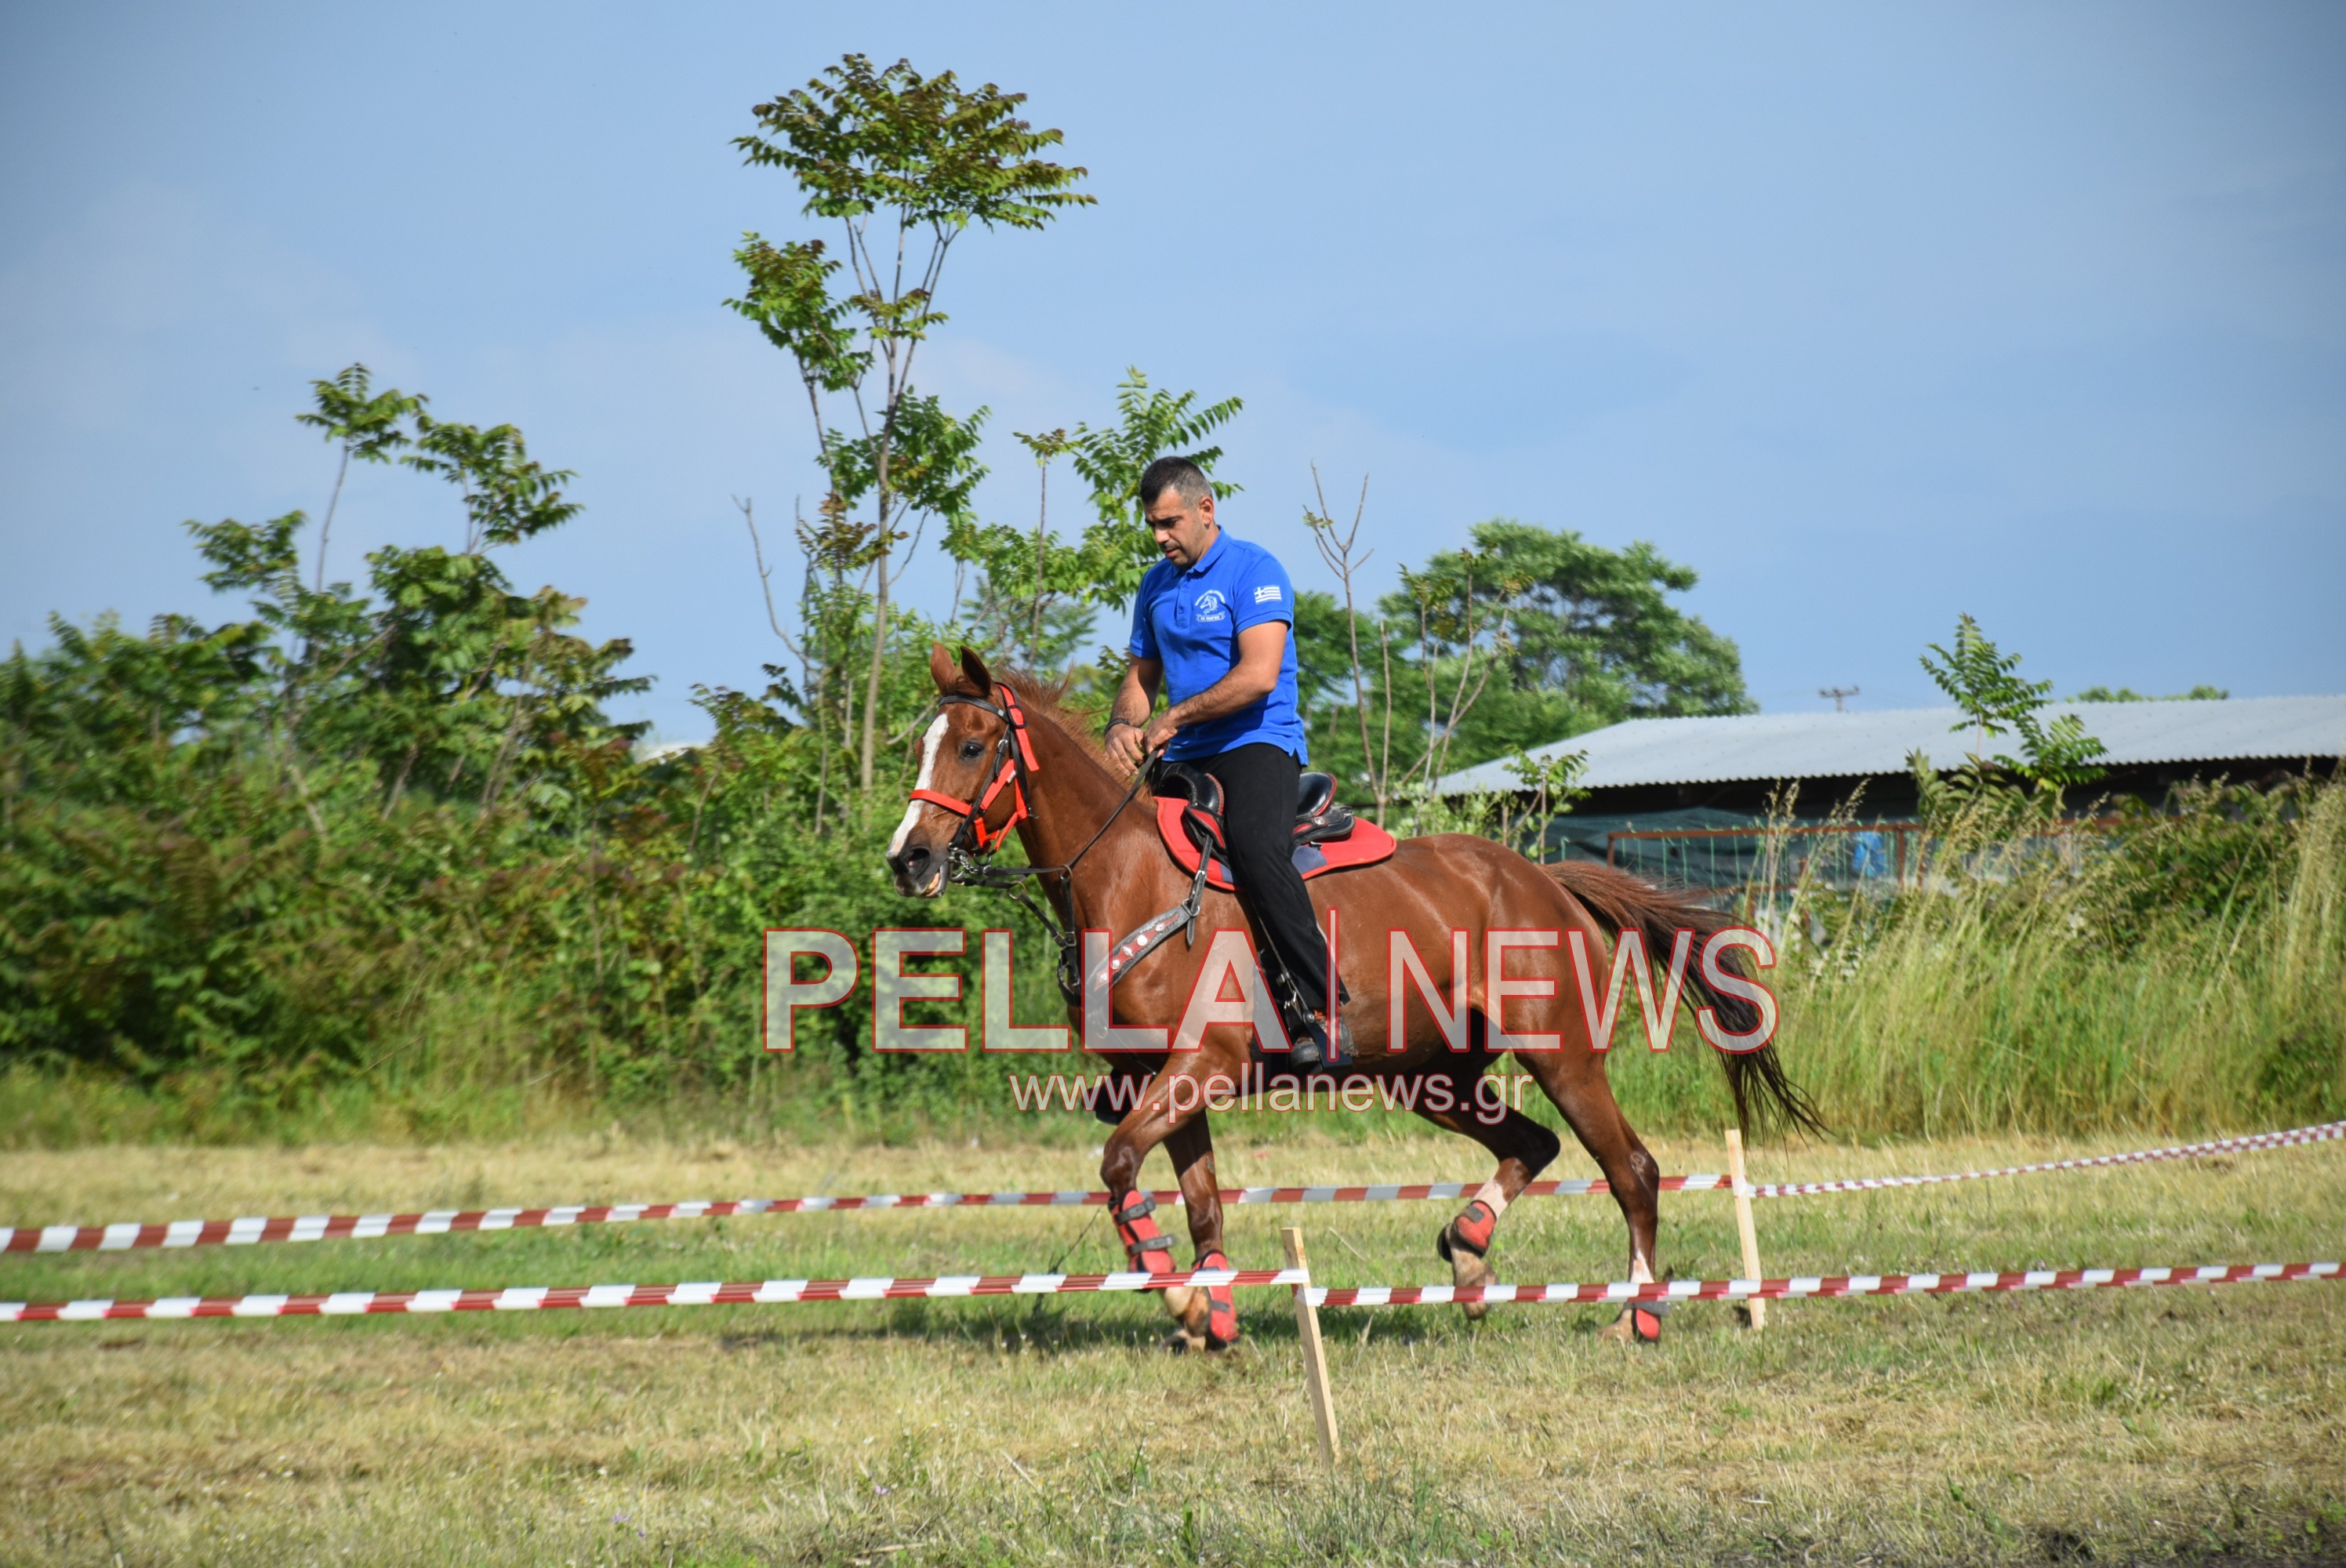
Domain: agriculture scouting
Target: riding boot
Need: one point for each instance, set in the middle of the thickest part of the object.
(1312, 1045)
(1306, 1046)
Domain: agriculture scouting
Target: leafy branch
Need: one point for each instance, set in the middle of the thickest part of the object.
(905, 164)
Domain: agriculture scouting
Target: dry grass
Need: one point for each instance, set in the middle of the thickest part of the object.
(2121, 1424)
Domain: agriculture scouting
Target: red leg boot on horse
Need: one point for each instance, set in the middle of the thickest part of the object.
(1525, 1149)
(1465, 1244)
(1147, 1247)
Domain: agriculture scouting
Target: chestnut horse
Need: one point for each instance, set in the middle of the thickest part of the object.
(1000, 757)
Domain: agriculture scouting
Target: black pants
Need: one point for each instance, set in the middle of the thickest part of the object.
(1259, 783)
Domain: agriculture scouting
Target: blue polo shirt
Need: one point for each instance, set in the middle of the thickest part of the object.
(1191, 621)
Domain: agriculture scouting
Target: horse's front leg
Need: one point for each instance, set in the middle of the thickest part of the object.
(1172, 1110)
(1209, 1315)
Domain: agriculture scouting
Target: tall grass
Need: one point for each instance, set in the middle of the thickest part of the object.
(2184, 972)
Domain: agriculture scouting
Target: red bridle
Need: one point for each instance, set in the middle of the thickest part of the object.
(1017, 755)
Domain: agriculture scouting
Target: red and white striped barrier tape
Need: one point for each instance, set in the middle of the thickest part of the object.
(367, 1227)
(710, 1293)
(1814, 1285)
(2322, 1132)
(254, 1229)
(772, 1292)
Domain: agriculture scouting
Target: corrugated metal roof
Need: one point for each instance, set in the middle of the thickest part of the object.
(1772, 745)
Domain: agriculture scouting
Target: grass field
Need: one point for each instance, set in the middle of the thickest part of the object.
(2110, 1425)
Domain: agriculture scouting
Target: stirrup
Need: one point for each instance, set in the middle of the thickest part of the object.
(1323, 1043)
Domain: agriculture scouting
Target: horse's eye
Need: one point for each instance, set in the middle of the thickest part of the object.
(969, 750)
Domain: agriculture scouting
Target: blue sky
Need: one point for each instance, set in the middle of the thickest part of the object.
(1873, 315)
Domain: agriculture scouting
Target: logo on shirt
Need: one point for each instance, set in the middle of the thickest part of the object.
(1213, 606)
(1267, 594)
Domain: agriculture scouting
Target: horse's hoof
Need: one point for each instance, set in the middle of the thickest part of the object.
(1196, 1317)
(1465, 1269)
(1181, 1342)
(1638, 1324)
(1462, 1245)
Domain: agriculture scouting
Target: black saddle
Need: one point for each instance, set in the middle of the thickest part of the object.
(1319, 819)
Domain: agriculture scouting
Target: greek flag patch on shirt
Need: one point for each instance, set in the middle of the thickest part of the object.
(1267, 594)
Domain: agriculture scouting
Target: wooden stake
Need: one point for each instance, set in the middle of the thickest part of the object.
(1315, 1356)
(1756, 1307)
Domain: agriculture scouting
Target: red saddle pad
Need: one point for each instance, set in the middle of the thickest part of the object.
(1364, 846)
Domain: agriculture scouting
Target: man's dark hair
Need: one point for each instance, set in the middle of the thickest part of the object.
(1179, 475)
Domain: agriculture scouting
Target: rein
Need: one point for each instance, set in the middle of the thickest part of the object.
(969, 858)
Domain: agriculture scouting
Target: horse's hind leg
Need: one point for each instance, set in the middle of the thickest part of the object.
(1523, 1150)
(1574, 1082)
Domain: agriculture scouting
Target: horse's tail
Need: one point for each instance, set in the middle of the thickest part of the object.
(1765, 1099)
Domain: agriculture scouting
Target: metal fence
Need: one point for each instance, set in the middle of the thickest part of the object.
(1881, 857)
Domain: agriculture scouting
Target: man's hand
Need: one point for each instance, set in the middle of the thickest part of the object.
(1126, 747)
(1261, 650)
(1129, 747)
(1129, 732)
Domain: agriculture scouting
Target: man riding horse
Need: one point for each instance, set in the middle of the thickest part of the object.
(1212, 623)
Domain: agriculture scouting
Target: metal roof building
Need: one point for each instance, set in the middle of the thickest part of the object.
(1664, 763)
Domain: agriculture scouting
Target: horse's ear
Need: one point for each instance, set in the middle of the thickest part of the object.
(974, 668)
(940, 667)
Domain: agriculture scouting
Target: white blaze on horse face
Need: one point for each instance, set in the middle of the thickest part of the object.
(929, 744)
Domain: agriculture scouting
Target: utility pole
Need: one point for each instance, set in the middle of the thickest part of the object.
(1840, 694)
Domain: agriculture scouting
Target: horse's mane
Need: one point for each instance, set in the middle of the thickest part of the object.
(1045, 697)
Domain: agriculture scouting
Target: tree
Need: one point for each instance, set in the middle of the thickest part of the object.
(2127, 694)
(446, 675)
(1983, 680)
(1525, 636)
(508, 496)
(1344, 557)
(255, 847)
(1118, 549)
(1054, 588)
(368, 426)
(926, 158)
(1032, 590)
